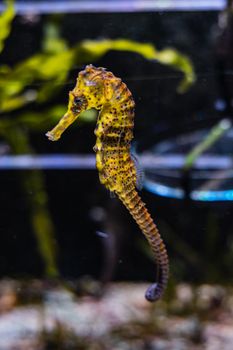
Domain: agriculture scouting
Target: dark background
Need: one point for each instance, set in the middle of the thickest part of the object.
(198, 235)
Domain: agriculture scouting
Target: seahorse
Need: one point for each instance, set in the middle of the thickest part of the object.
(100, 89)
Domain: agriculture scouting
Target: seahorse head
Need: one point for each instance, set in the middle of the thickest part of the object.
(89, 90)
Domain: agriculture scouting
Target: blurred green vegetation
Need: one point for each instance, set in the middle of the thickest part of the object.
(38, 79)
(213, 136)
(34, 188)
(41, 76)
(5, 22)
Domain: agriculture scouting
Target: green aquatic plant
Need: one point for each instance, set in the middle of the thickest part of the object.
(32, 180)
(34, 187)
(213, 136)
(170, 57)
(5, 22)
(39, 77)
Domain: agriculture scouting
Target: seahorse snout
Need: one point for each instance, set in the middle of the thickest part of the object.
(51, 136)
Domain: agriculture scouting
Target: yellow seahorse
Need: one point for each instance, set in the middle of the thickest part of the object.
(100, 89)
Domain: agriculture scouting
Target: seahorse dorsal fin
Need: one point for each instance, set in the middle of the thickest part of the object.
(139, 172)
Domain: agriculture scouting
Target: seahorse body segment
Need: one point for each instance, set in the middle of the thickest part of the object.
(100, 89)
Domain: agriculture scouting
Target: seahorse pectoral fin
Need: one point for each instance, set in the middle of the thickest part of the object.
(66, 120)
(112, 194)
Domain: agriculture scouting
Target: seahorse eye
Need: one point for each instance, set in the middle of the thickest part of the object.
(77, 101)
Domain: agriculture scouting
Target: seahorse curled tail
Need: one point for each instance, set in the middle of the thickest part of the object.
(139, 212)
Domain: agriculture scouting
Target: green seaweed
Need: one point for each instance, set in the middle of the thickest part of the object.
(37, 198)
(213, 136)
(5, 22)
(17, 138)
(168, 56)
(41, 76)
